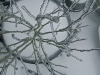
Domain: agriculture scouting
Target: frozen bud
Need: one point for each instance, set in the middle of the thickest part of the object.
(77, 30)
(38, 17)
(55, 19)
(52, 18)
(48, 16)
(14, 37)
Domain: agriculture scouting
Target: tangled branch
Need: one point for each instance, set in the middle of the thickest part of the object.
(63, 46)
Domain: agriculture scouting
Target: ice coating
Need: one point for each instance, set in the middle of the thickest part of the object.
(34, 7)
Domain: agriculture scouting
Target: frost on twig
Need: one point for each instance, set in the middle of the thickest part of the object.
(72, 30)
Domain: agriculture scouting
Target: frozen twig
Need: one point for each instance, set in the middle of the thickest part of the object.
(85, 50)
(37, 37)
(28, 12)
(18, 9)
